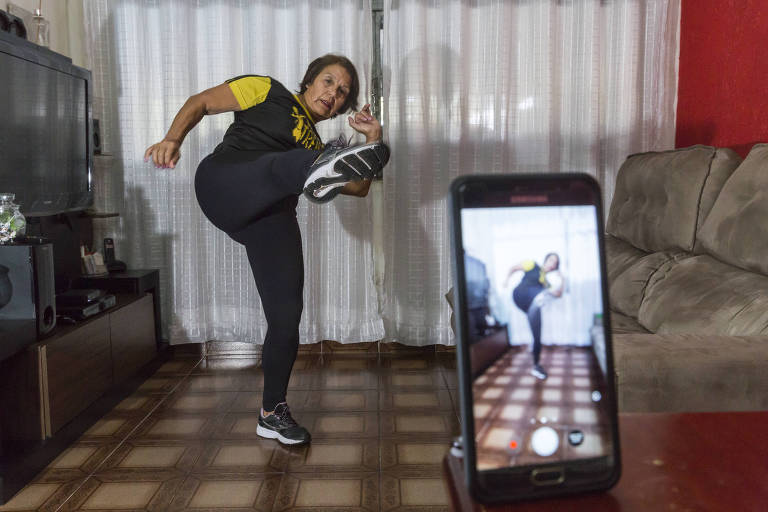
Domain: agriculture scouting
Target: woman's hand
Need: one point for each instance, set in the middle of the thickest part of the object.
(364, 122)
(164, 154)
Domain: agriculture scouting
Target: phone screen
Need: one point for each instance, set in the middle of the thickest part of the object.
(533, 320)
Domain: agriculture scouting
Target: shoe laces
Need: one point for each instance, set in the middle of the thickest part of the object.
(283, 413)
(340, 142)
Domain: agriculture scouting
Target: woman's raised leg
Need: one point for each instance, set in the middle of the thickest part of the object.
(236, 188)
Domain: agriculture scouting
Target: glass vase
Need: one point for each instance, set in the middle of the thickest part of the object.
(41, 29)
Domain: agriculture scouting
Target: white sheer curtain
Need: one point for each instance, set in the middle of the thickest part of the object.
(147, 57)
(497, 86)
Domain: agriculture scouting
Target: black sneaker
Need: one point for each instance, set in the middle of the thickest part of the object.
(335, 167)
(538, 372)
(280, 425)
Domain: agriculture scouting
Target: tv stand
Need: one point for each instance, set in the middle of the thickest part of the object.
(132, 281)
(53, 391)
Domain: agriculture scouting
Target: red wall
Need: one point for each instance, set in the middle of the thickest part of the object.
(723, 80)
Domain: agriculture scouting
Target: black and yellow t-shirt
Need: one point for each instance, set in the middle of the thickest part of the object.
(534, 275)
(271, 119)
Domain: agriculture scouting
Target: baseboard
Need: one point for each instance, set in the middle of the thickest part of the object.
(224, 349)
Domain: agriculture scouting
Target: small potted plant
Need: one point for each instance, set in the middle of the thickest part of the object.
(12, 222)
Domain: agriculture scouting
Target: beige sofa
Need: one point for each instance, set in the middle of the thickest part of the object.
(687, 258)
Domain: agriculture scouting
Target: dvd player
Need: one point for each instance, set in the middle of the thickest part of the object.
(76, 297)
(82, 312)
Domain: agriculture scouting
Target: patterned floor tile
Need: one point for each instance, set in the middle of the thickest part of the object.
(340, 425)
(147, 455)
(137, 404)
(401, 492)
(407, 362)
(256, 455)
(160, 384)
(333, 379)
(112, 428)
(214, 382)
(198, 402)
(126, 490)
(42, 496)
(177, 426)
(178, 367)
(241, 492)
(400, 455)
(338, 492)
(420, 400)
(417, 425)
(211, 365)
(335, 455)
(405, 380)
(347, 362)
(250, 401)
(341, 400)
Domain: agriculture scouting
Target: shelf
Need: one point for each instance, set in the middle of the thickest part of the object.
(99, 215)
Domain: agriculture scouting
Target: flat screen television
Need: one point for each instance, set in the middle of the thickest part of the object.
(46, 149)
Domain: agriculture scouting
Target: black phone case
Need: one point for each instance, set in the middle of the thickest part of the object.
(482, 184)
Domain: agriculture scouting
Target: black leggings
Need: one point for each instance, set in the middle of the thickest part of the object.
(253, 199)
(523, 297)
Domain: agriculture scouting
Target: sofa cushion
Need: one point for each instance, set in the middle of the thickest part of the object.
(627, 290)
(619, 256)
(724, 164)
(659, 196)
(623, 324)
(703, 295)
(736, 230)
(690, 372)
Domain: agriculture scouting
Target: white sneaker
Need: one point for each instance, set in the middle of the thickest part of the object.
(335, 167)
(538, 372)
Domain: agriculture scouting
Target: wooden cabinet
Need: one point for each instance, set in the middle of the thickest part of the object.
(485, 351)
(49, 384)
(21, 379)
(78, 369)
(132, 342)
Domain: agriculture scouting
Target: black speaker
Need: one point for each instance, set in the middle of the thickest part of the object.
(27, 292)
(96, 137)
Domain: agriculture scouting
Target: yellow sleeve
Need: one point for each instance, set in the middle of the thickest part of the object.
(250, 90)
(528, 265)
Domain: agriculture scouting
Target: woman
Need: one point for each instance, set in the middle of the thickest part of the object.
(539, 285)
(249, 187)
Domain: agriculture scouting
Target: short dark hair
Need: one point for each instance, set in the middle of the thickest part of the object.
(556, 256)
(320, 63)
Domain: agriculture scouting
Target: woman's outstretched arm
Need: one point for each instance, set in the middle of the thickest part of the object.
(363, 122)
(211, 101)
(512, 270)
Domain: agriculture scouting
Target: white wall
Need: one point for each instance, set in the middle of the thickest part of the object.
(67, 30)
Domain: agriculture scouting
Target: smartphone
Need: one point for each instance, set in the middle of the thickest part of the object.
(535, 364)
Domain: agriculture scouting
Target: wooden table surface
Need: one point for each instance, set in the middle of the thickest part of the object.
(670, 462)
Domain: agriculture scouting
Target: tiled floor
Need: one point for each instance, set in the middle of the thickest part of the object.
(186, 440)
(510, 405)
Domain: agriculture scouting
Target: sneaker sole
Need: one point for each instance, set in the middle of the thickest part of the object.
(354, 166)
(271, 434)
